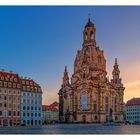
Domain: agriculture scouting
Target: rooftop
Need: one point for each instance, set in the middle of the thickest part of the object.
(133, 101)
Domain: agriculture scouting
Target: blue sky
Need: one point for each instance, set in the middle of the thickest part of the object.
(38, 42)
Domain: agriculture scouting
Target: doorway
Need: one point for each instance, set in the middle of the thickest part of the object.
(84, 118)
(5, 122)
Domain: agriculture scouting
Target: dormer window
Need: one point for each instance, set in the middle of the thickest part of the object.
(15, 79)
(2, 78)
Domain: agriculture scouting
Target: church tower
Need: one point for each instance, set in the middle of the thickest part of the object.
(65, 78)
(117, 82)
(116, 74)
(89, 34)
(64, 98)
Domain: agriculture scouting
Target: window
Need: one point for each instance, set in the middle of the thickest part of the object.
(86, 36)
(28, 108)
(35, 122)
(0, 113)
(23, 82)
(15, 79)
(32, 114)
(28, 101)
(39, 114)
(9, 113)
(106, 108)
(35, 108)
(14, 85)
(83, 85)
(115, 104)
(75, 103)
(11, 79)
(14, 114)
(39, 122)
(24, 100)
(10, 106)
(10, 97)
(27, 83)
(84, 102)
(5, 98)
(32, 101)
(91, 35)
(35, 114)
(95, 107)
(32, 108)
(14, 98)
(0, 91)
(18, 85)
(24, 107)
(24, 114)
(28, 114)
(106, 100)
(28, 122)
(28, 88)
(5, 84)
(24, 121)
(5, 105)
(9, 84)
(0, 83)
(2, 78)
(0, 97)
(95, 118)
(5, 91)
(35, 101)
(0, 104)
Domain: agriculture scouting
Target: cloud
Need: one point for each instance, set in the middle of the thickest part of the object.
(132, 89)
(133, 84)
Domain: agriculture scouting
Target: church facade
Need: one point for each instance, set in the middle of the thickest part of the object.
(90, 96)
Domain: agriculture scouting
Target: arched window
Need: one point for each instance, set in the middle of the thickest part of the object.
(84, 101)
(91, 35)
(86, 36)
(83, 85)
(75, 103)
(115, 104)
(106, 104)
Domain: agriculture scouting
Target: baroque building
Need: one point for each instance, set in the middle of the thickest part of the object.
(20, 100)
(31, 103)
(90, 96)
(9, 99)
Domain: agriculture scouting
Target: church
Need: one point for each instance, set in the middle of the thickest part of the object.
(89, 96)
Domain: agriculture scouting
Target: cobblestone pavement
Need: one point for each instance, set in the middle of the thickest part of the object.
(73, 129)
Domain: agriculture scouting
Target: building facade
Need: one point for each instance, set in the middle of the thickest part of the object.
(133, 111)
(90, 96)
(50, 113)
(31, 103)
(9, 99)
(20, 100)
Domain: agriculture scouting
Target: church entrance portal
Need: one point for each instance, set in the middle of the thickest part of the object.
(84, 118)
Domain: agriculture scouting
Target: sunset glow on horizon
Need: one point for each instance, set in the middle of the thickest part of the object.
(38, 42)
